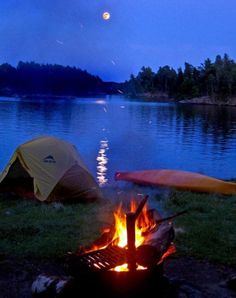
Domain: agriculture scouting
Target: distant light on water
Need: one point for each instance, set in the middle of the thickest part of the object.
(102, 163)
(100, 102)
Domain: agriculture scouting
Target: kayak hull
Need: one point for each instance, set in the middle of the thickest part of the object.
(182, 180)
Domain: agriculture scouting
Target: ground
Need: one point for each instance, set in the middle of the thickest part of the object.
(34, 238)
(16, 276)
(208, 277)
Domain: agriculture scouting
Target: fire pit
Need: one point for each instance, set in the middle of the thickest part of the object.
(126, 260)
(140, 240)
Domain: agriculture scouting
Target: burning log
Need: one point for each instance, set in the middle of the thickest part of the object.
(140, 238)
(155, 245)
(103, 241)
(156, 236)
(161, 238)
(140, 207)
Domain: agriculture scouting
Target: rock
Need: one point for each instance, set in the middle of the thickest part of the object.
(50, 286)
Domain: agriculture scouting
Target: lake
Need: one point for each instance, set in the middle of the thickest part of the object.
(116, 134)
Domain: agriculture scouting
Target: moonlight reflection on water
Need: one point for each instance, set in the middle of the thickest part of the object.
(102, 163)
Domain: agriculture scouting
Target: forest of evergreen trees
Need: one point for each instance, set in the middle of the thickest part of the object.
(39, 79)
(215, 79)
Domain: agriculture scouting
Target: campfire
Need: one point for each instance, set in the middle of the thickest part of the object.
(140, 239)
(125, 260)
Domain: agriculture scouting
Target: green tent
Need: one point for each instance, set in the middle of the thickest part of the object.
(49, 169)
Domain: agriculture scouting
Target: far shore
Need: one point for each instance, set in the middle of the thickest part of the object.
(152, 97)
(203, 100)
(52, 96)
(207, 100)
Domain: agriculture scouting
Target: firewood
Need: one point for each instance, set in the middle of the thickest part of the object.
(162, 237)
(158, 239)
(152, 216)
(147, 256)
(104, 240)
(140, 207)
(156, 243)
(156, 218)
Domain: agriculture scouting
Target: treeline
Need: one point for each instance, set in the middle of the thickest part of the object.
(214, 79)
(30, 78)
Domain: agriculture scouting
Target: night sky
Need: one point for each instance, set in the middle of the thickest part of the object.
(139, 33)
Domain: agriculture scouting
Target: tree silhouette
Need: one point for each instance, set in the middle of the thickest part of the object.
(30, 78)
(215, 79)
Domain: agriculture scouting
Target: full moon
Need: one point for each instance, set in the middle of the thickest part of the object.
(106, 15)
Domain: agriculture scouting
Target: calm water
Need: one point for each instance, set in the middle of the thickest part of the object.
(113, 134)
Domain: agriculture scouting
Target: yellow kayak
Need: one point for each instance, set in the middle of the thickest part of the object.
(182, 180)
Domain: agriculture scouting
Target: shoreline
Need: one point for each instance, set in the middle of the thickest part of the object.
(55, 96)
(148, 97)
(162, 97)
(207, 100)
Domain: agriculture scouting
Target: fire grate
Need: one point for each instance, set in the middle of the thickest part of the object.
(157, 243)
(102, 259)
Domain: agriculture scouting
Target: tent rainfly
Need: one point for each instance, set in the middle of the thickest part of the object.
(49, 169)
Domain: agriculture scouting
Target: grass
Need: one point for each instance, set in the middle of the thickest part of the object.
(32, 229)
(208, 229)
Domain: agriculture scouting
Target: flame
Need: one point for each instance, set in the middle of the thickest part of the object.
(124, 267)
(171, 250)
(143, 224)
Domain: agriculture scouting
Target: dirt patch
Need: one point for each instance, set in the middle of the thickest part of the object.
(207, 277)
(17, 276)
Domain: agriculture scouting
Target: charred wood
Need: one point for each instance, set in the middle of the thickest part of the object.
(155, 245)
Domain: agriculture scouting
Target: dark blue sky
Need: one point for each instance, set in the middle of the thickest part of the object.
(139, 33)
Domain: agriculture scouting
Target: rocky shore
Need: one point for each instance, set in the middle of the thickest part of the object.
(207, 100)
(203, 100)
